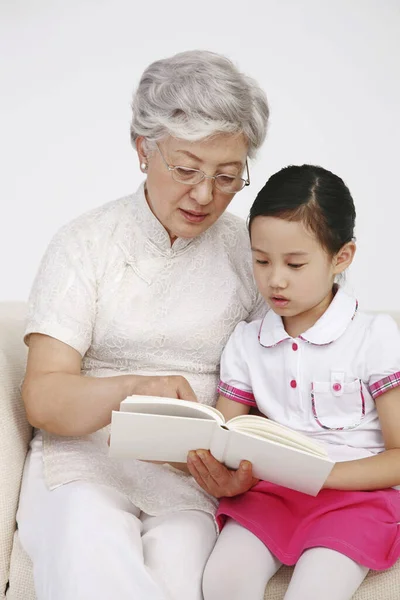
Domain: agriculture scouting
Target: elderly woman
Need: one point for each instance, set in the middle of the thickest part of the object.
(139, 297)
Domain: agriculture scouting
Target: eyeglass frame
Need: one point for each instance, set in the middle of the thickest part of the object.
(204, 176)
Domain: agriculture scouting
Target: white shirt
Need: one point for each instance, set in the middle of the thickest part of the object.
(323, 383)
(111, 286)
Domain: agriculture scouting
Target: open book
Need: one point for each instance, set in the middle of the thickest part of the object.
(166, 429)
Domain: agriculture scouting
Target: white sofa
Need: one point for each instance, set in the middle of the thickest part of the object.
(16, 581)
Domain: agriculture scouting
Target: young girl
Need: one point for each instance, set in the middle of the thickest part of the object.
(318, 365)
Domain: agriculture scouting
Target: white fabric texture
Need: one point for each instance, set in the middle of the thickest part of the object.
(111, 286)
(240, 567)
(88, 541)
(318, 383)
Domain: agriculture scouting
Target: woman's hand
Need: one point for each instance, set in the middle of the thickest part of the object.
(60, 400)
(216, 479)
(167, 386)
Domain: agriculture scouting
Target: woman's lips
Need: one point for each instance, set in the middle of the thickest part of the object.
(280, 302)
(193, 217)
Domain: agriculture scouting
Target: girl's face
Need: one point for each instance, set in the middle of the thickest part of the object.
(293, 272)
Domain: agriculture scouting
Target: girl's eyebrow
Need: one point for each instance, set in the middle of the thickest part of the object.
(297, 253)
(294, 253)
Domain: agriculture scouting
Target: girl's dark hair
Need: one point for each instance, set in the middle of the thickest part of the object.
(313, 195)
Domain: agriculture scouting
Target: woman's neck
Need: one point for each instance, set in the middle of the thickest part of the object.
(172, 238)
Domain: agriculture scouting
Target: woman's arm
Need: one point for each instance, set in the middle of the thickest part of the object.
(380, 471)
(60, 400)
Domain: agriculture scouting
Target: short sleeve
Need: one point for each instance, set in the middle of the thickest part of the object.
(62, 302)
(235, 381)
(383, 356)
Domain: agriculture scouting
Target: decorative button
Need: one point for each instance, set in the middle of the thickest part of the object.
(293, 383)
(337, 387)
(295, 346)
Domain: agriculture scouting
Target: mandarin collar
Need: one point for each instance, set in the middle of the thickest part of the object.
(329, 327)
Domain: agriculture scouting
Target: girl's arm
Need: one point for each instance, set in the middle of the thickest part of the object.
(231, 409)
(380, 471)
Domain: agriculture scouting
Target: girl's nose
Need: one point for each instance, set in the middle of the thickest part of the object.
(277, 280)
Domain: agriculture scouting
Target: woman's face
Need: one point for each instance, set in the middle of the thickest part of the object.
(187, 210)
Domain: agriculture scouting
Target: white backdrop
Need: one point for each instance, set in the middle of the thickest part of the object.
(67, 70)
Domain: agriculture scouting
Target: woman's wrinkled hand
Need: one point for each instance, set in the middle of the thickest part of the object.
(216, 479)
(167, 386)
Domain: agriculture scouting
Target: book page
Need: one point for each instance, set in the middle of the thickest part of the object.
(278, 463)
(158, 437)
(264, 428)
(173, 407)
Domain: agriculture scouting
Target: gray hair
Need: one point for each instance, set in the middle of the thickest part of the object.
(196, 94)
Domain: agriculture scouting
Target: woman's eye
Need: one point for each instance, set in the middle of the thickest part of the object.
(226, 178)
(261, 262)
(185, 172)
(295, 266)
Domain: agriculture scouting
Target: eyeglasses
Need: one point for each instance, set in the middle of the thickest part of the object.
(227, 184)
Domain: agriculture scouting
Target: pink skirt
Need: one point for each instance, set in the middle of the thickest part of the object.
(362, 525)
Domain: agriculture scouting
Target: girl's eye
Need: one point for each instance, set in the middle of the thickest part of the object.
(293, 266)
(261, 262)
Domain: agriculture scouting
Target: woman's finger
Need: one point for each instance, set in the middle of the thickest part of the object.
(192, 466)
(243, 478)
(211, 469)
(218, 471)
(218, 480)
(201, 468)
(184, 390)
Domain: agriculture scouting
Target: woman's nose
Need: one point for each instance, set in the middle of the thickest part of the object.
(203, 192)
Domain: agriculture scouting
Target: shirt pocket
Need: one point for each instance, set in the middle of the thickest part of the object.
(338, 406)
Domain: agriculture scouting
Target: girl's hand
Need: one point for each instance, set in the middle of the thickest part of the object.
(216, 479)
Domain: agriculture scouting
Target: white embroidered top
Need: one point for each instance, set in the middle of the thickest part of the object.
(111, 286)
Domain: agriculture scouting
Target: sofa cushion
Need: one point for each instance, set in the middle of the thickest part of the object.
(15, 432)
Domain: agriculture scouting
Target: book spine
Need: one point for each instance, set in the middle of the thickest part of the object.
(219, 443)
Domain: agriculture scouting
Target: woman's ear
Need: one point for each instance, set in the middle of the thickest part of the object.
(141, 148)
(343, 259)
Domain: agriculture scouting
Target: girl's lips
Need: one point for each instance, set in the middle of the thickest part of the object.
(279, 302)
(193, 217)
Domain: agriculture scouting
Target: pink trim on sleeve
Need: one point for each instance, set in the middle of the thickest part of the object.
(383, 385)
(232, 393)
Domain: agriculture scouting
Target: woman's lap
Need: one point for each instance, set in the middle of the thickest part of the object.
(89, 541)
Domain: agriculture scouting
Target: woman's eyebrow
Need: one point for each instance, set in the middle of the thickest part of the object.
(233, 163)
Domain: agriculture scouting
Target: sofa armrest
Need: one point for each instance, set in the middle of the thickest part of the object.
(15, 432)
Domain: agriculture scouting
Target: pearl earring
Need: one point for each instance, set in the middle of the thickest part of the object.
(143, 166)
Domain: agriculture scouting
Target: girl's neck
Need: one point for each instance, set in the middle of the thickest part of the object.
(298, 324)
